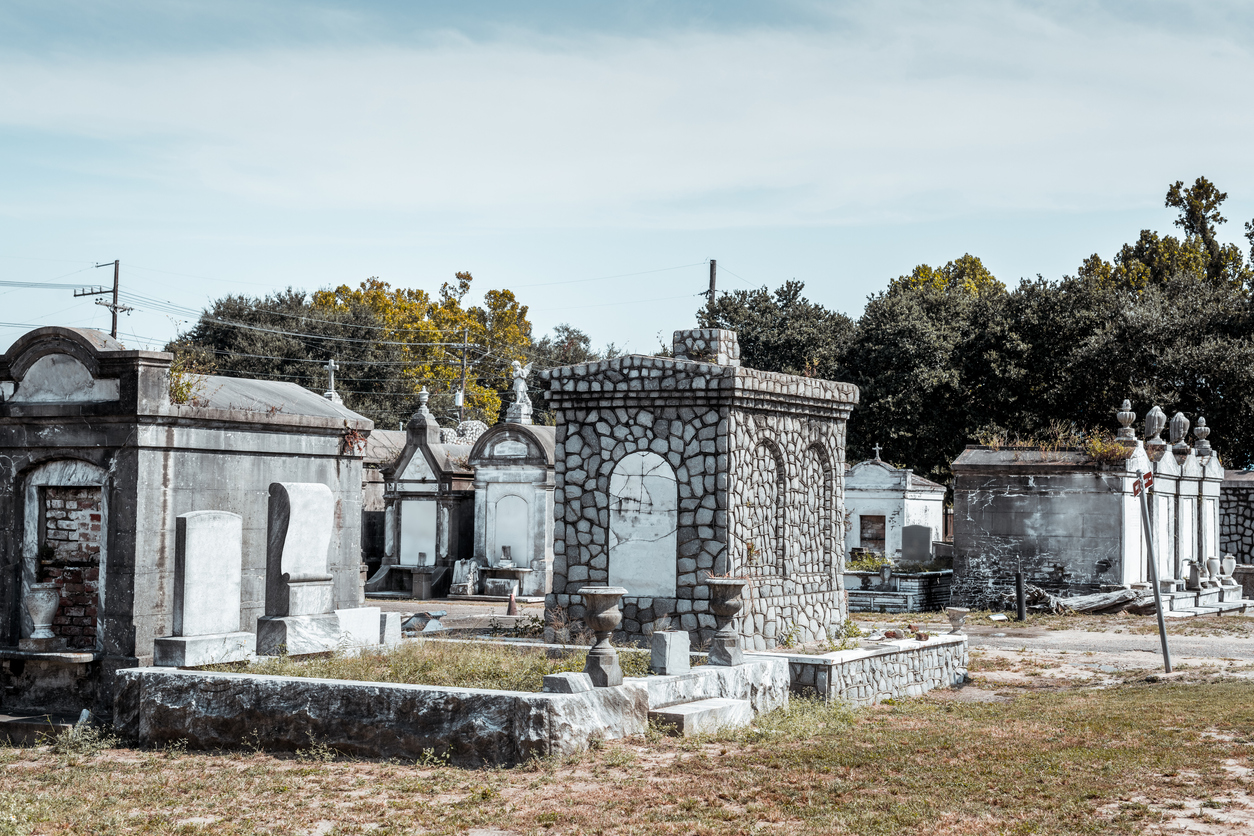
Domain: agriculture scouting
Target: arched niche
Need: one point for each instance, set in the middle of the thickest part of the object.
(643, 526)
(511, 526)
(765, 509)
(47, 490)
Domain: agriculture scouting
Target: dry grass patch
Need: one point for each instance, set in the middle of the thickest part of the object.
(446, 664)
(1054, 762)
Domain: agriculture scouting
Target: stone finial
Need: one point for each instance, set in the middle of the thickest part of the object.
(423, 397)
(1127, 432)
(1201, 432)
(1176, 432)
(1155, 420)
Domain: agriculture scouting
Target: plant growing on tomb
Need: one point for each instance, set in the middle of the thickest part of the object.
(187, 378)
(352, 442)
(867, 562)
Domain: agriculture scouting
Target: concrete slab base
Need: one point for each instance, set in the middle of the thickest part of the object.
(195, 651)
(31, 730)
(297, 635)
(703, 716)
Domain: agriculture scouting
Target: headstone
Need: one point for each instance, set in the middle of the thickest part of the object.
(465, 578)
(302, 517)
(299, 588)
(916, 545)
(208, 571)
(390, 629)
(669, 652)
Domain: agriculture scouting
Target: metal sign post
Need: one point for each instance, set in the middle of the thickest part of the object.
(1141, 488)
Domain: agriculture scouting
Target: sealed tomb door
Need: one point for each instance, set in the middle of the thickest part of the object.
(644, 526)
(871, 533)
(70, 534)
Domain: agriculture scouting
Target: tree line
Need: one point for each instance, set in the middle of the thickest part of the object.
(946, 356)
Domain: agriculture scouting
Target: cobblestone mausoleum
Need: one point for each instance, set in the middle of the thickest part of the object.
(672, 469)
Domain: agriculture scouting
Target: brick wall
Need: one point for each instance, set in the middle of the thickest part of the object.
(69, 556)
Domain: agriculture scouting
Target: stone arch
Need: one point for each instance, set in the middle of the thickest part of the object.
(644, 526)
(766, 546)
(41, 486)
(815, 526)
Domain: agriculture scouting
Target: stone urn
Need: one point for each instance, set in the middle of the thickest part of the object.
(602, 615)
(1212, 568)
(957, 618)
(725, 603)
(1229, 563)
(41, 602)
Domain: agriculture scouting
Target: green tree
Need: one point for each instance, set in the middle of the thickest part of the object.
(782, 331)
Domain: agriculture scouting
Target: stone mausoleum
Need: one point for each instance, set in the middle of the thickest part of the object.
(1072, 523)
(893, 512)
(98, 466)
(672, 469)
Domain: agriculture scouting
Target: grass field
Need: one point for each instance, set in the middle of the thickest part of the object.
(1042, 757)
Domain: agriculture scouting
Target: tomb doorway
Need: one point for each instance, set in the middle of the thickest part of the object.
(64, 541)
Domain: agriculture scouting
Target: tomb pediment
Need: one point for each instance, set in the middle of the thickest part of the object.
(514, 444)
(60, 378)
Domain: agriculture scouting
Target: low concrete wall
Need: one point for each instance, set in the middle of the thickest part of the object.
(473, 727)
(371, 719)
(866, 676)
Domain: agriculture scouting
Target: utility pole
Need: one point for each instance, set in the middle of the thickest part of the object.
(461, 397)
(113, 306)
(713, 279)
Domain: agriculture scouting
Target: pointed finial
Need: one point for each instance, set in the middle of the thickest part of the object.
(1155, 420)
(1177, 430)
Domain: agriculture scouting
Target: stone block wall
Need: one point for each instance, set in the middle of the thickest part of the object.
(671, 470)
(1236, 519)
(865, 676)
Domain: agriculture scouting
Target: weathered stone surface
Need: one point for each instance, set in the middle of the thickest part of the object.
(762, 680)
(704, 716)
(669, 651)
(297, 635)
(359, 626)
(567, 683)
(194, 651)
(643, 525)
(369, 719)
(151, 460)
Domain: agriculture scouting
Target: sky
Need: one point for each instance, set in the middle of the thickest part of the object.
(592, 157)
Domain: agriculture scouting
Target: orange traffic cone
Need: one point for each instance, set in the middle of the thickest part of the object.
(512, 609)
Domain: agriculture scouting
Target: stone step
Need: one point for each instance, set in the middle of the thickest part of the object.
(703, 716)
(32, 729)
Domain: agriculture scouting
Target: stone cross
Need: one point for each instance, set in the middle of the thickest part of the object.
(877, 449)
(332, 367)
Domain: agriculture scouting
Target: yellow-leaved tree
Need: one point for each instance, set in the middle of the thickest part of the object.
(435, 336)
